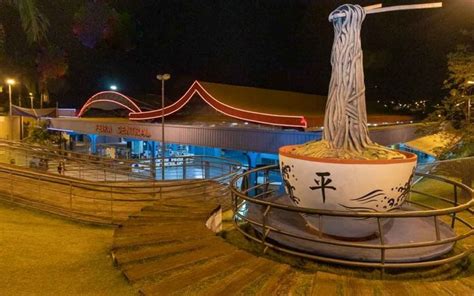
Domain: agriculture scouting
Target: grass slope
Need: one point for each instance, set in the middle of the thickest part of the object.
(45, 255)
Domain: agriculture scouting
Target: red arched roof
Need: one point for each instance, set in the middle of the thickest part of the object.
(246, 115)
(110, 100)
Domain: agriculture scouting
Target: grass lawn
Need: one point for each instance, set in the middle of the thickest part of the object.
(44, 255)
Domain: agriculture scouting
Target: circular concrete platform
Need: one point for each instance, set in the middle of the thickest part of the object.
(396, 231)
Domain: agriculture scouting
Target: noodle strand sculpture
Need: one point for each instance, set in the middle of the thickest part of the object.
(346, 132)
(345, 123)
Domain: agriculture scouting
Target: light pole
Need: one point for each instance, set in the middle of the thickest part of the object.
(10, 82)
(31, 99)
(163, 78)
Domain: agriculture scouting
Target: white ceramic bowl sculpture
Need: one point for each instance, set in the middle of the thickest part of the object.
(346, 185)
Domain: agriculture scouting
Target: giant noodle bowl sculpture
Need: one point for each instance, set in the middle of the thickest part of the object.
(346, 170)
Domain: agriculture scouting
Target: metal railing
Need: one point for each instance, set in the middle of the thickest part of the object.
(111, 202)
(259, 193)
(94, 168)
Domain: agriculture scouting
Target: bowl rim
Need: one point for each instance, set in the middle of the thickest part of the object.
(410, 157)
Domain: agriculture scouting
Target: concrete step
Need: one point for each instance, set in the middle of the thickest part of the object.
(173, 235)
(149, 269)
(332, 284)
(279, 283)
(182, 214)
(150, 229)
(173, 210)
(200, 273)
(142, 221)
(468, 281)
(236, 282)
(199, 203)
(124, 256)
(456, 287)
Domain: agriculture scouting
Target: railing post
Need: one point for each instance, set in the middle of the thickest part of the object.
(184, 168)
(70, 198)
(320, 218)
(206, 170)
(265, 231)
(39, 185)
(11, 185)
(202, 168)
(111, 205)
(453, 219)
(438, 235)
(161, 192)
(233, 197)
(382, 250)
(267, 183)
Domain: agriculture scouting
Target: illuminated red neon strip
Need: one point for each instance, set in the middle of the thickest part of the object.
(265, 118)
(87, 105)
(176, 106)
(92, 99)
(246, 115)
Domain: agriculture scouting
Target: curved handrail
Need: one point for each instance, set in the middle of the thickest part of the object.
(241, 197)
(304, 210)
(100, 202)
(120, 165)
(94, 158)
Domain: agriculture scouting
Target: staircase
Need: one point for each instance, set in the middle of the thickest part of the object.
(165, 249)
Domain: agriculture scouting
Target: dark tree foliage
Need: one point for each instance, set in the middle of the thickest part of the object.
(33, 21)
(452, 114)
(453, 117)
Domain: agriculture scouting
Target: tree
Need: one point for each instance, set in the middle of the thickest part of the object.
(452, 116)
(34, 23)
(38, 134)
(97, 23)
(21, 62)
(51, 65)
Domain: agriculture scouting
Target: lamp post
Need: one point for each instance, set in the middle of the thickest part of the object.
(10, 82)
(163, 78)
(31, 99)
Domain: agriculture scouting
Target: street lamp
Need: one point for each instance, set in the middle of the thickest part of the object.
(163, 78)
(10, 82)
(113, 87)
(31, 98)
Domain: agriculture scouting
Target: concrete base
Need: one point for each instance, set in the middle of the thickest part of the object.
(396, 231)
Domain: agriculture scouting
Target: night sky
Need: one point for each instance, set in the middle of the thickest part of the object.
(277, 44)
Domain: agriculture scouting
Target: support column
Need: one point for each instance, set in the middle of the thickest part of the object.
(153, 158)
(93, 143)
(252, 158)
